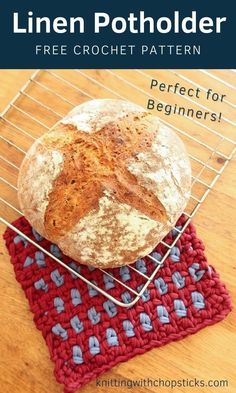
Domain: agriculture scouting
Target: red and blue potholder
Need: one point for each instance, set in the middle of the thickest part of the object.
(87, 333)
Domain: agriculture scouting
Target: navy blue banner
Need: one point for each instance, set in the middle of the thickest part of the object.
(124, 34)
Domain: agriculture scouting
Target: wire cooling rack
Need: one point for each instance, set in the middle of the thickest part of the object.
(49, 95)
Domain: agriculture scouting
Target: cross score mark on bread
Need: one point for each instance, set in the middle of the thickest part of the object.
(97, 162)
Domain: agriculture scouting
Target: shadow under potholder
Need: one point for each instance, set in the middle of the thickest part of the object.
(86, 333)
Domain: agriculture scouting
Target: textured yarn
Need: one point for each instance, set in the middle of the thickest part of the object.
(88, 334)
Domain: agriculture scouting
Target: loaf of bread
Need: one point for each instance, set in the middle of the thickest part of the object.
(106, 184)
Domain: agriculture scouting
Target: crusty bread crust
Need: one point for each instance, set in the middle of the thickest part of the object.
(112, 179)
(97, 163)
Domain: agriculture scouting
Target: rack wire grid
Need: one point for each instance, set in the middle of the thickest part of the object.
(49, 94)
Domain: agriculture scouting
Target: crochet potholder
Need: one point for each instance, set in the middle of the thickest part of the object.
(88, 334)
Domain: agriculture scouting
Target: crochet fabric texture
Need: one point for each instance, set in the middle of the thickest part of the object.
(88, 334)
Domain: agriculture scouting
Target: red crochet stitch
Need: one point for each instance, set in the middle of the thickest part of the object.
(87, 334)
